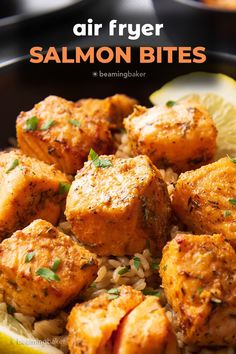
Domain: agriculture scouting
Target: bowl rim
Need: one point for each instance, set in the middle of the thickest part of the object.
(202, 6)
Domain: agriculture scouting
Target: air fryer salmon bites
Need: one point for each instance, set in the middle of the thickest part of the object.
(115, 206)
(199, 278)
(42, 269)
(58, 132)
(177, 135)
(29, 189)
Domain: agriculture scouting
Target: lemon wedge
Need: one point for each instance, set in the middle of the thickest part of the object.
(217, 93)
(15, 339)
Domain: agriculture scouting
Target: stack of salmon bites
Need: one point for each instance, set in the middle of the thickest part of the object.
(119, 214)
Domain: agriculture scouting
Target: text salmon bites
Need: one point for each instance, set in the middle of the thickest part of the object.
(115, 206)
(179, 135)
(199, 279)
(29, 189)
(58, 132)
(42, 270)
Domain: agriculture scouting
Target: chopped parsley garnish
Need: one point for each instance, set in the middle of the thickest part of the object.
(200, 290)
(64, 187)
(112, 297)
(31, 124)
(151, 292)
(123, 270)
(12, 165)
(97, 161)
(47, 274)
(165, 267)
(232, 201)
(227, 213)
(137, 262)
(29, 256)
(93, 285)
(232, 159)
(171, 103)
(113, 293)
(155, 265)
(10, 309)
(56, 264)
(74, 122)
(47, 125)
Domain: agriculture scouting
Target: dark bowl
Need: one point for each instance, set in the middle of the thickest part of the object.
(192, 23)
(23, 84)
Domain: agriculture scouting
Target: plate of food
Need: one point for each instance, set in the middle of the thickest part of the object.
(117, 209)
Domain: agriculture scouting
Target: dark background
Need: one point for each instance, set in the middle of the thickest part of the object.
(56, 30)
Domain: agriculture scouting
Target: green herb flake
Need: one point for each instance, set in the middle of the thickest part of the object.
(97, 161)
(56, 264)
(137, 262)
(10, 309)
(93, 285)
(112, 297)
(170, 103)
(165, 267)
(200, 290)
(29, 256)
(47, 125)
(74, 122)
(64, 187)
(12, 165)
(151, 292)
(232, 201)
(232, 159)
(123, 270)
(47, 274)
(227, 213)
(31, 124)
(155, 265)
(113, 291)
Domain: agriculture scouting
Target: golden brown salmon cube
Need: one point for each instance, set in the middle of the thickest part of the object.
(116, 205)
(146, 330)
(91, 324)
(42, 269)
(57, 132)
(30, 189)
(179, 135)
(199, 279)
(112, 109)
(205, 199)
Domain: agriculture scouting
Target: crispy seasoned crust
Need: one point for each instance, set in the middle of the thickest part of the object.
(182, 136)
(115, 210)
(199, 279)
(112, 109)
(31, 294)
(67, 141)
(205, 199)
(92, 323)
(29, 189)
(146, 330)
